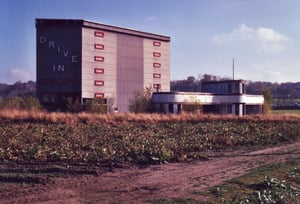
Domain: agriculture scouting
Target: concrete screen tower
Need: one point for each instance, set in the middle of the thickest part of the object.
(83, 60)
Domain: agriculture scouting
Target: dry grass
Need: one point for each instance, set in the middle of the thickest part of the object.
(56, 117)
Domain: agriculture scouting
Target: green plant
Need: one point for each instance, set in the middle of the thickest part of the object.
(30, 103)
(275, 183)
(73, 104)
(267, 101)
(96, 105)
(20, 103)
(141, 101)
(273, 190)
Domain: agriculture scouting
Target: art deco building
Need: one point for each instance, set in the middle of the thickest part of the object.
(218, 97)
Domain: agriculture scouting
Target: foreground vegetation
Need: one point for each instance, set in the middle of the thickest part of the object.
(140, 139)
(277, 183)
(36, 136)
(274, 183)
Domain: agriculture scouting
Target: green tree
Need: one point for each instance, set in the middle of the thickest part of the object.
(96, 105)
(30, 103)
(194, 107)
(2, 102)
(141, 101)
(13, 103)
(267, 101)
(73, 105)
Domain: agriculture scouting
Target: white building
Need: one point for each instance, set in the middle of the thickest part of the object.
(220, 97)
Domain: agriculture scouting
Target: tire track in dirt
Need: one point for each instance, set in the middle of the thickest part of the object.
(137, 185)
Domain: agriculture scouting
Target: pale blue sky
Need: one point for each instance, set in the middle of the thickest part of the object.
(262, 35)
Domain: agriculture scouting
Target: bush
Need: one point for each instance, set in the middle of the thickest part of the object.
(30, 103)
(96, 105)
(20, 103)
(141, 101)
(73, 105)
(267, 101)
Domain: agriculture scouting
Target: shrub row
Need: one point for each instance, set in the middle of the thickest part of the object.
(20, 103)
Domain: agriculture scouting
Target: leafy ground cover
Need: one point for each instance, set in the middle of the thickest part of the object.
(168, 139)
(277, 183)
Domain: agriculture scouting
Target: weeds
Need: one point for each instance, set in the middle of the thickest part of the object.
(35, 115)
(277, 183)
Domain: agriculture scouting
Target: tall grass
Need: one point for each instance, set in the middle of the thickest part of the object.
(83, 117)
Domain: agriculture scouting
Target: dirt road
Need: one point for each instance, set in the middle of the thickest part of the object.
(133, 184)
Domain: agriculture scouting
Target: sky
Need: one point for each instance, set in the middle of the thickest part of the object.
(262, 36)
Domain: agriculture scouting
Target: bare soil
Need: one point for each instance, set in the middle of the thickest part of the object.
(123, 183)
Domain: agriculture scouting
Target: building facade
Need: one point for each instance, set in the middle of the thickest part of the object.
(83, 60)
(218, 97)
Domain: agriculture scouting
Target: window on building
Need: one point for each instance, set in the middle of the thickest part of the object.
(156, 54)
(99, 59)
(99, 46)
(236, 88)
(99, 95)
(99, 34)
(99, 83)
(229, 88)
(156, 43)
(156, 65)
(156, 75)
(99, 71)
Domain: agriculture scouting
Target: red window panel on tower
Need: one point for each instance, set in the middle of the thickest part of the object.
(99, 83)
(99, 59)
(156, 75)
(99, 46)
(156, 43)
(99, 34)
(156, 54)
(156, 65)
(99, 95)
(98, 70)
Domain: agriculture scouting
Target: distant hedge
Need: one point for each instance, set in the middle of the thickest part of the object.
(20, 103)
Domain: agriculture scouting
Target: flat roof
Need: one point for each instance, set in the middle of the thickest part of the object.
(224, 81)
(182, 93)
(200, 94)
(43, 22)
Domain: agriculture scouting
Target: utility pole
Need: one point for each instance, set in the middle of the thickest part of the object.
(233, 68)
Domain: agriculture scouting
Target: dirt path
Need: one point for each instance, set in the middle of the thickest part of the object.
(137, 185)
